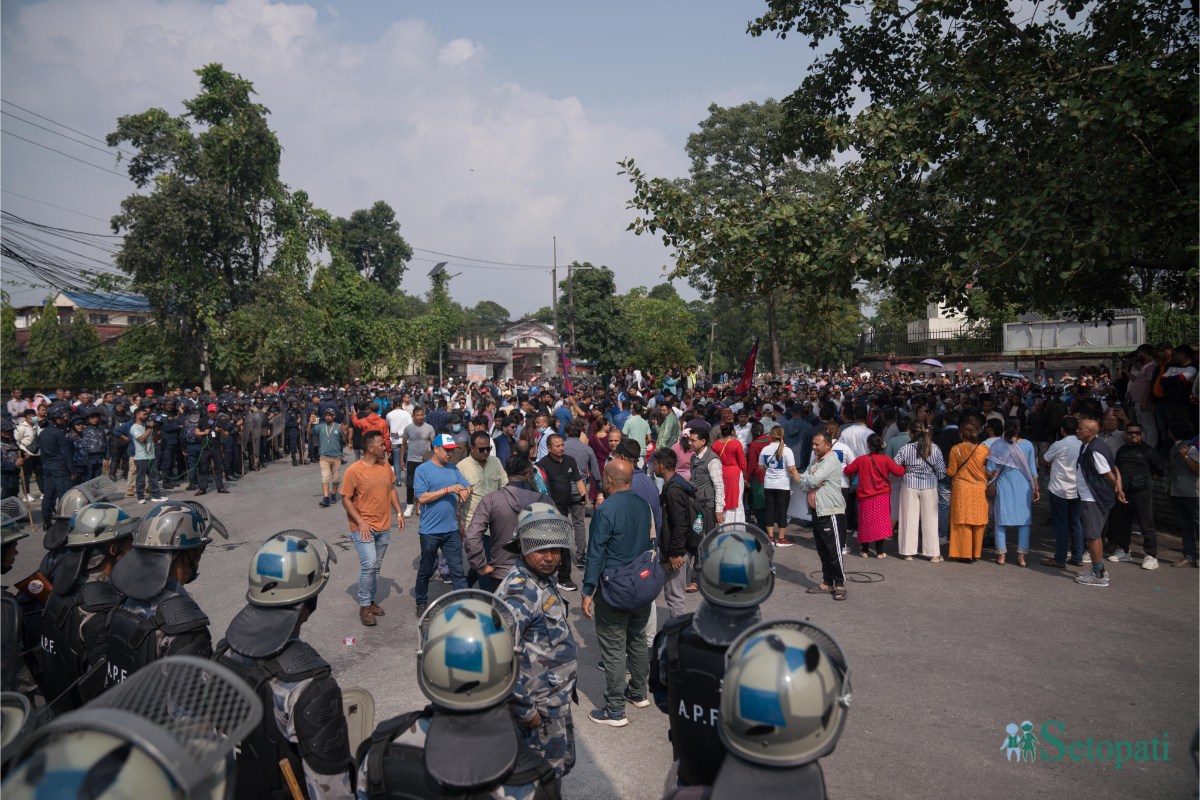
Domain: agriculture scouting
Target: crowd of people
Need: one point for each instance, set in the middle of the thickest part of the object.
(689, 487)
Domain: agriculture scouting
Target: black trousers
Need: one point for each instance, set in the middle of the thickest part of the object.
(294, 447)
(168, 465)
(851, 516)
(410, 468)
(210, 464)
(828, 535)
(1119, 531)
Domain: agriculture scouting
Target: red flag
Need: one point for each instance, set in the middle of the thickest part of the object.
(566, 362)
(743, 385)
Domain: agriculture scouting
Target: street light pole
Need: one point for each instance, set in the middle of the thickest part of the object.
(554, 285)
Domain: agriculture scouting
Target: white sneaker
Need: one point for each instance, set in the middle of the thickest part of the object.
(159, 499)
(1149, 562)
(1087, 558)
(408, 511)
(1120, 555)
(845, 550)
(28, 498)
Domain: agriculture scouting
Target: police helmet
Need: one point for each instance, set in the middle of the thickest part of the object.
(125, 745)
(16, 722)
(289, 568)
(785, 694)
(58, 409)
(172, 525)
(98, 523)
(6, 425)
(736, 566)
(10, 534)
(73, 501)
(540, 527)
(467, 657)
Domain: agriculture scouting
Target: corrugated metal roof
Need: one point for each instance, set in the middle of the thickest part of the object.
(108, 301)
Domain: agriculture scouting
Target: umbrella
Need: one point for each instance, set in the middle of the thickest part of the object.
(906, 368)
(933, 362)
(1017, 375)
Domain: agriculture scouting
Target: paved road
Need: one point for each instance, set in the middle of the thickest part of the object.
(943, 657)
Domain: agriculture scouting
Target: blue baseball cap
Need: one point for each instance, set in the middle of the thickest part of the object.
(445, 440)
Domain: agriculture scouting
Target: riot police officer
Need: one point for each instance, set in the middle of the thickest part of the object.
(784, 703)
(73, 622)
(736, 575)
(58, 457)
(295, 418)
(158, 617)
(12, 459)
(11, 617)
(95, 446)
(229, 435)
(467, 667)
(192, 444)
(209, 434)
(541, 701)
(131, 746)
(263, 646)
(171, 430)
(118, 448)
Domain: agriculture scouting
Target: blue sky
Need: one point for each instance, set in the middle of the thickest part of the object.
(490, 128)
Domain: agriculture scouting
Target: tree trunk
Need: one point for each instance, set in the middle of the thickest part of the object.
(773, 335)
(205, 369)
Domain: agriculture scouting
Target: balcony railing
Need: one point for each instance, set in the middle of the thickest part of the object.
(967, 339)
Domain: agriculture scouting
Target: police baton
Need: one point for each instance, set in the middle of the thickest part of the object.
(28, 504)
(289, 777)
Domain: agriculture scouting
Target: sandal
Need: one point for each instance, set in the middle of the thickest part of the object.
(865, 554)
(692, 587)
(1000, 560)
(839, 593)
(881, 555)
(1021, 561)
(822, 589)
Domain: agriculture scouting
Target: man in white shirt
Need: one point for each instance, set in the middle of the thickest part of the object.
(398, 419)
(1064, 498)
(741, 428)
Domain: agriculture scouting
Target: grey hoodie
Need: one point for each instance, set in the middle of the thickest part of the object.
(497, 514)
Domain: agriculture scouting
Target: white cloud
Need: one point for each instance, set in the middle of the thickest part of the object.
(472, 163)
(458, 51)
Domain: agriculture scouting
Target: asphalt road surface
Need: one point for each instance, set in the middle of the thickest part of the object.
(943, 658)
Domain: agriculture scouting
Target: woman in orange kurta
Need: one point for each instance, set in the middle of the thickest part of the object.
(968, 495)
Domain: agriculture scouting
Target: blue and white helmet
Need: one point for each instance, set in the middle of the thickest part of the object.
(736, 566)
(467, 656)
(785, 694)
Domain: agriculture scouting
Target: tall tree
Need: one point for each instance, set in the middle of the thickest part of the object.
(657, 329)
(81, 344)
(214, 215)
(47, 350)
(737, 224)
(10, 353)
(600, 334)
(371, 239)
(1041, 152)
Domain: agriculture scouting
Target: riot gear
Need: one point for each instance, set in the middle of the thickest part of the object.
(129, 743)
(735, 574)
(262, 646)
(467, 667)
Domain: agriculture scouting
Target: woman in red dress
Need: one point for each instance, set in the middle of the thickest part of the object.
(874, 495)
(728, 448)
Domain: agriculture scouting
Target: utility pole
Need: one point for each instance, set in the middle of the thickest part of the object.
(571, 303)
(712, 333)
(554, 284)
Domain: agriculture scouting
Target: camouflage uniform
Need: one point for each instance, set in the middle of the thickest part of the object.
(285, 695)
(548, 652)
(415, 737)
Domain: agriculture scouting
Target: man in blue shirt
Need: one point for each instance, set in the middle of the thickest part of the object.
(439, 488)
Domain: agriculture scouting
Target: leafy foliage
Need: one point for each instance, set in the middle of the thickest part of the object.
(371, 240)
(1039, 153)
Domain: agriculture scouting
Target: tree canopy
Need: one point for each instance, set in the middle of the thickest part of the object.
(1042, 153)
(371, 240)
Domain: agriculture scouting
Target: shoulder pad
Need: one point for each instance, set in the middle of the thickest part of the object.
(298, 661)
(180, 614)
(98, 596)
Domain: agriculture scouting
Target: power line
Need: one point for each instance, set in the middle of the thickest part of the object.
(61, 125)
(486, 261)
(68, 155)
(52, 205)
(56, 133)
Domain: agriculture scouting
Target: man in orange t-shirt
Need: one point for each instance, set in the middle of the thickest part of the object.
(369, 497)
(371, 421)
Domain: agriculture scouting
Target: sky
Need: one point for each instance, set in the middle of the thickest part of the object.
(493, 129)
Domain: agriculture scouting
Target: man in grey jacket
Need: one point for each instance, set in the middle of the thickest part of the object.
(495, 521)
(824, 475)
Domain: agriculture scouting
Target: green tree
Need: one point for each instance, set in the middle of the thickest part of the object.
(748, 219)
(10, 354)
(1043, 153)
(600, 332)
(371, 239)
(213, 215)
(47, 350)
(657, 331)
(83, 365)
(488, 317)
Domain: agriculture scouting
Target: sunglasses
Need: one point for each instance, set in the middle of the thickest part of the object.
(484, 449)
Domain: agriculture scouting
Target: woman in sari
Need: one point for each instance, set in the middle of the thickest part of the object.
(968, 495)
(1012, 467)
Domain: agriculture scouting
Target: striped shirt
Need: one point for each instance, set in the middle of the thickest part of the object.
(917, 473)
